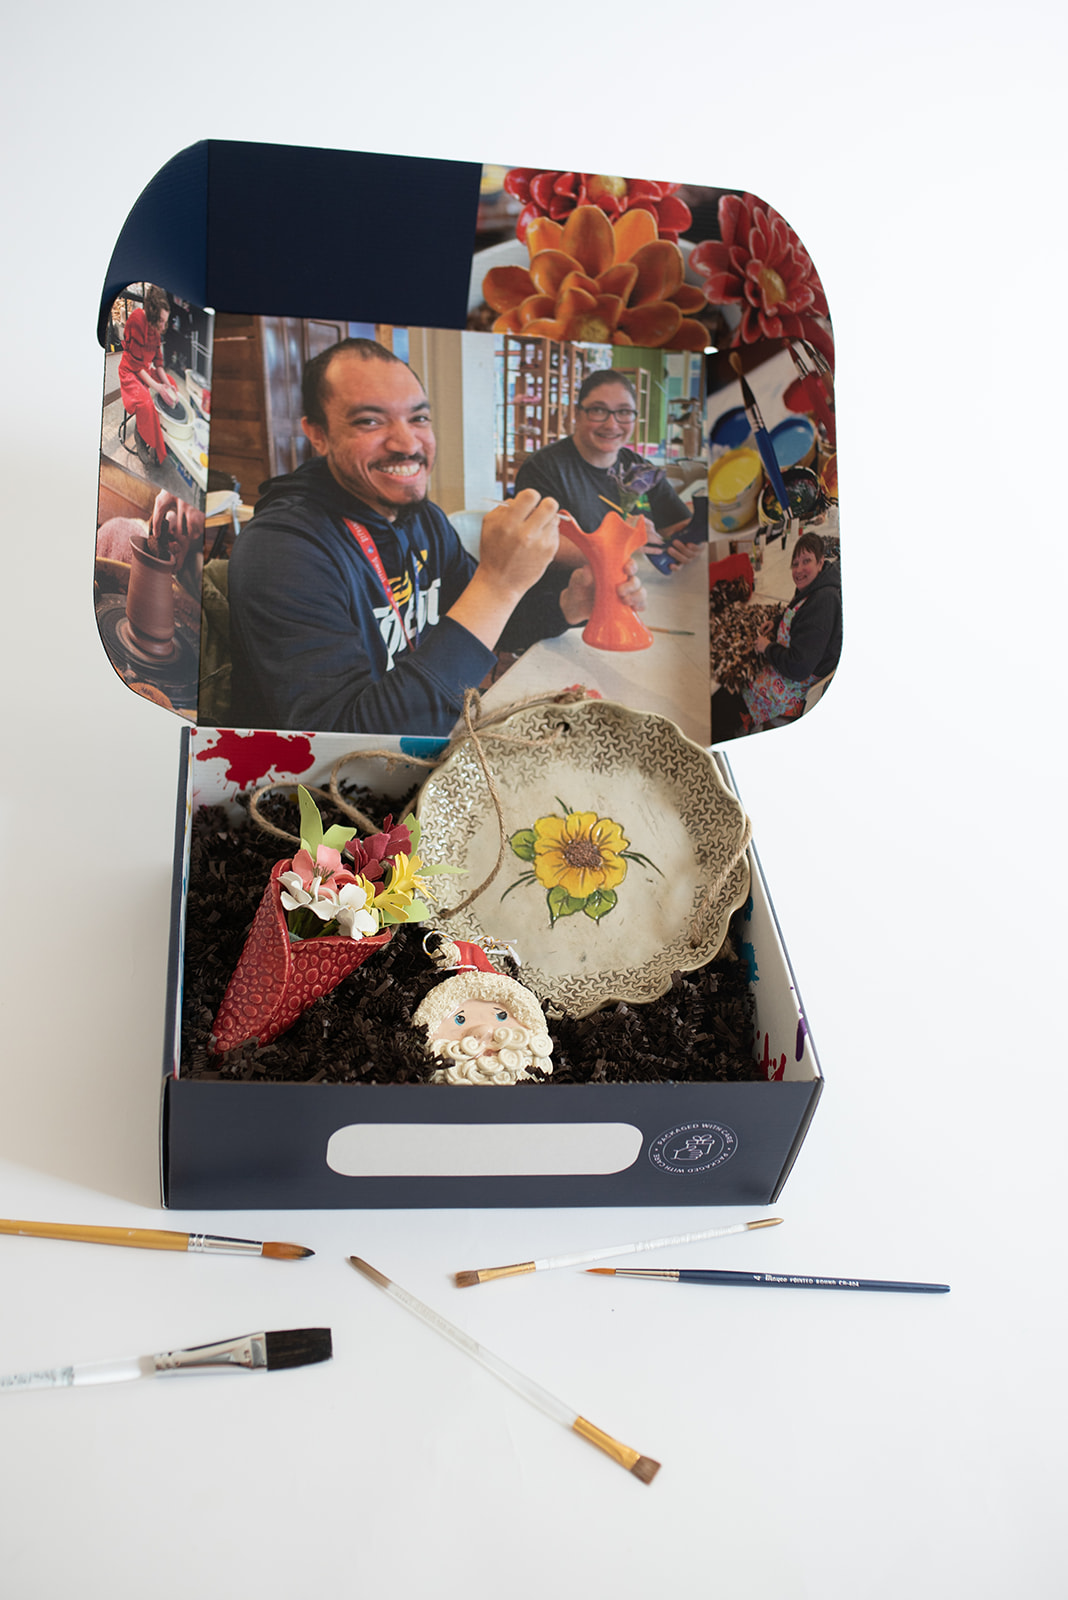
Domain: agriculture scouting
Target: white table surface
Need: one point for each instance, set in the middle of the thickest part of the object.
(669, 678)
(814, 1447)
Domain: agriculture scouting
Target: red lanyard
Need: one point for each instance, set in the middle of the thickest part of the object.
(370, 550)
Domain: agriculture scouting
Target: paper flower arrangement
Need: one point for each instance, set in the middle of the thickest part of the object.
(319, 920)
(580, 859)
(321, 896)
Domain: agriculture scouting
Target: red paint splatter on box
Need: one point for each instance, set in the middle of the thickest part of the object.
(773, 1068)
(252, 755)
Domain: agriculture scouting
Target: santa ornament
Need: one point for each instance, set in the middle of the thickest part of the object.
(482, 1026)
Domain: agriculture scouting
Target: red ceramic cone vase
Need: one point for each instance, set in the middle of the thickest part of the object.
(612, 625)
(276, 979)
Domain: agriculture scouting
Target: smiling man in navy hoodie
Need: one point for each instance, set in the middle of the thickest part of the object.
(353, 605)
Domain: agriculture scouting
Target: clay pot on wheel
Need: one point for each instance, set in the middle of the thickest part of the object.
(150, 600)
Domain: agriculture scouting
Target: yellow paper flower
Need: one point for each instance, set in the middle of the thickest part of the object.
(406, 879)
(404, 884)
(581, 852)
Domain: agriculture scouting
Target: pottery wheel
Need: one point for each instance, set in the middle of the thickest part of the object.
(176, 420)
(126, 636)
(177, 676)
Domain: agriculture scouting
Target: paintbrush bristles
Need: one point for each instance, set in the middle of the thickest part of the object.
(465, 1280)
(298, 1347)
(285, 1252)
(643, 1467)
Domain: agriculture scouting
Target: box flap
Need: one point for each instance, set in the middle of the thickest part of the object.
(503, 294)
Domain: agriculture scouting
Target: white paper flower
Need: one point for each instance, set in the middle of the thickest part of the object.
(317, 899)
(354, 919)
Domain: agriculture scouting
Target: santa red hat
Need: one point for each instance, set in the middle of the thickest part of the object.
(476, 978)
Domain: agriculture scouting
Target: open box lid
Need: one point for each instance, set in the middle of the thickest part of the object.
(506, 290)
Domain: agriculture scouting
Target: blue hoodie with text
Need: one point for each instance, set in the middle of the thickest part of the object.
(316, 642)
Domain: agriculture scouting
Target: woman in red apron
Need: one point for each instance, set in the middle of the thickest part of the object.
(141, 374)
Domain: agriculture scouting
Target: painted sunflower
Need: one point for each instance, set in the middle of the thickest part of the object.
(580, 853)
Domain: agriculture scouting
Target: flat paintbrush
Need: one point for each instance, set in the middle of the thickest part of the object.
(209, 1244)
(643, 1467)
(255, 1352)
(465, 1280)
(769, 1280)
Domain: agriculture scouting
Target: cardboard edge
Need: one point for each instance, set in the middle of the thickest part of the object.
(755, 856)
(799, 1138)
(174, 959)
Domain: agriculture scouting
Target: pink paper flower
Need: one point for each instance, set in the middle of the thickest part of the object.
(325, 873)
(761, 265)
(556, 194)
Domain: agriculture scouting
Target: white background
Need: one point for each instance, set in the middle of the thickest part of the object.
(826, 1446)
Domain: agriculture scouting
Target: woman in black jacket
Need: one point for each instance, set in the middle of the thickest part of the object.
(805, 648)
(808, 640)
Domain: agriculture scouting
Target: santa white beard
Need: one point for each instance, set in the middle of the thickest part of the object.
(515, 1052)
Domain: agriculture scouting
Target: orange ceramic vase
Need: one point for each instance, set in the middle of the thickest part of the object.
(612, 625)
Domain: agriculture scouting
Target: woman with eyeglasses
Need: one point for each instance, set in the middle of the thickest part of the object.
(806, 647)
(581, 471)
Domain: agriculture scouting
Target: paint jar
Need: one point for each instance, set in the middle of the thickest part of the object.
(729, 432)
(734, 480)
(803, 492)
(794, 442)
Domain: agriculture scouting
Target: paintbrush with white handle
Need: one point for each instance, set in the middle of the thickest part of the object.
(579, 1258)
(255, 1352)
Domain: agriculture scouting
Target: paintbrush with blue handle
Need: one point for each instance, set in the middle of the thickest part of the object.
(763, 438)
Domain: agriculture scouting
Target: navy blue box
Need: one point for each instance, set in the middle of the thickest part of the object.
(246, 1145)
(208, 227)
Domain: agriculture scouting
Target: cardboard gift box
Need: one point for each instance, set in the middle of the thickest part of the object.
(397, 250)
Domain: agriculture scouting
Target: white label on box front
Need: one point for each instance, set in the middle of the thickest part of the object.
(474, 1150)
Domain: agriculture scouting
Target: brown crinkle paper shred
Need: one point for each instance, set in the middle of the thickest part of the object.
(702, 1030)
(733, 625)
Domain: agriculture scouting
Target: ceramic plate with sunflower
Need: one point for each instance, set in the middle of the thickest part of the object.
(625, 854)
